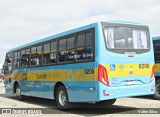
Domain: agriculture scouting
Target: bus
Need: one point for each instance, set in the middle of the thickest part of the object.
(96, 63)
(156, 44)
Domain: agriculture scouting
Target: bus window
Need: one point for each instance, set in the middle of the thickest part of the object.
(39, 53)
(8, 64)
(53, 54)
(23, 61)
(84, 46)
(89, 48)
(46, 53)
(18, 56)
(122, 39)
(62, 50)
(34, 57)
(27, 57)
(16, 59)
(70, 49)
(81, 47)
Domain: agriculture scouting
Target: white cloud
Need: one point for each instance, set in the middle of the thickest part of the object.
(23, 21)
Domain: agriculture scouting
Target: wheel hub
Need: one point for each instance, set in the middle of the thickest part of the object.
(158, 89)
(62, 98)
(18, 92)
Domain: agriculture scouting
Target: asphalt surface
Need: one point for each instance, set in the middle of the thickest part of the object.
(133, 106)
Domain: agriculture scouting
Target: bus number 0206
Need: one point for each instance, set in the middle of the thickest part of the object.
(89, 71)
(144, 66)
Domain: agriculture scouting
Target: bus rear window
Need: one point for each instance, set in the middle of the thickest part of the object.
(126, 38)
(156, 51)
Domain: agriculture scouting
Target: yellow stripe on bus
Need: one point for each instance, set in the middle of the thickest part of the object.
(80, 75)
(157, 68)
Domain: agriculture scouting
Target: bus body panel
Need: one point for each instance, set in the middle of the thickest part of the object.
(40, 81)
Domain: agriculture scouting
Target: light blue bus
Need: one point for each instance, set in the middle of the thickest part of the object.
(97, 63)
(156, 43)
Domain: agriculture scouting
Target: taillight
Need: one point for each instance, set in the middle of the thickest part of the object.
(152, 74)
(103, 75)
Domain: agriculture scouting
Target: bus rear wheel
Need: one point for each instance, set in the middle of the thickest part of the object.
(62, 99)
(18, 93)
(157, 90)
(106, 103)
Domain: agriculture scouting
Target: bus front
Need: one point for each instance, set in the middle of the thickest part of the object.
(125, 61)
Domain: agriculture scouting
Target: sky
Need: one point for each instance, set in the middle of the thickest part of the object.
(23, 21)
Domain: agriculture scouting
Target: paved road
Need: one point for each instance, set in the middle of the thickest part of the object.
(122, 107)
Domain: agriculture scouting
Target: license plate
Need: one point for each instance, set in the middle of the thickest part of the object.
(130, 83)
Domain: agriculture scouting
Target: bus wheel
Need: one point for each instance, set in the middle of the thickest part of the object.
(106, 103)
(18, 93)
(157, 90)
(62, 99)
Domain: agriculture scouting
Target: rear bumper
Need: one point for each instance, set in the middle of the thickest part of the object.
(106, 93)
(102, 92)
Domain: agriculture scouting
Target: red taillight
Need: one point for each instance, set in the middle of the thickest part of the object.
(102, 75)
(152, 74)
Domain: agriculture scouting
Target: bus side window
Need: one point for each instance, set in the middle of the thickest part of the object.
(70, 49)
(27, 57)
(8, 64)
(53, 54)
(46, 53)
(16, 59)
(62, 50)
(36, 56)
(39, 55)
(88, 47)
(85, 46)
(81, 47)
(33, 56)
(23, 61)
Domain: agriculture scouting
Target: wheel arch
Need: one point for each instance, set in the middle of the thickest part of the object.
(14, 86)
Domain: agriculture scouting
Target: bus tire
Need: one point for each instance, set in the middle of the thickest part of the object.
(18, 93)
(157, 90)
(106, 103)
(62, 99)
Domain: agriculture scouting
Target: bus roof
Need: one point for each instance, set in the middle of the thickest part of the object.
(156, 38)
(70, 32)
